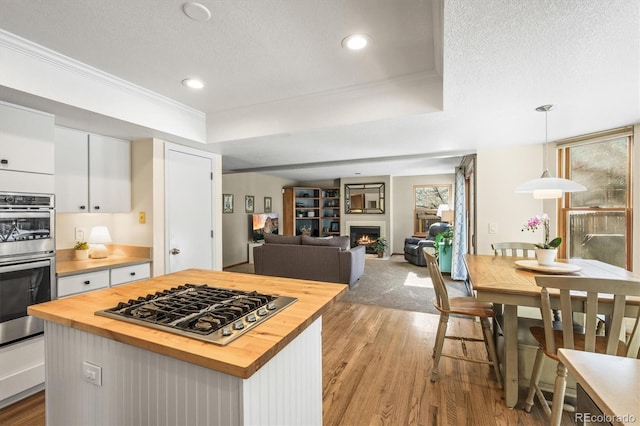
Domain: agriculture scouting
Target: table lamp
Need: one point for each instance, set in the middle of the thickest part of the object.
(97, 237)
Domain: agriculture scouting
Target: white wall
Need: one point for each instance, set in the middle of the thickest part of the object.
(402, 219)
(499, 171)
(235, 226)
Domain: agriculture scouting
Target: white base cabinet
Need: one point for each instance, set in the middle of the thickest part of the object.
(93, 173)
(89, 281)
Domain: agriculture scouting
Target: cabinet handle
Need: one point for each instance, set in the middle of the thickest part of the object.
(132, 274)
(4, 161)
(87, 282)
(96, 208)
(82, 207)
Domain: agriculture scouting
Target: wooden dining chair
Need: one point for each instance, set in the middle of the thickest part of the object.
(515, 249)
(466, 306)
(584, 297)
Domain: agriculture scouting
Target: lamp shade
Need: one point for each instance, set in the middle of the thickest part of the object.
(99, 235)
(442, 208)
(547, 186)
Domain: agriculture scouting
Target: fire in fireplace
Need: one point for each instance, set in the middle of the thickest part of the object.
(364, 236)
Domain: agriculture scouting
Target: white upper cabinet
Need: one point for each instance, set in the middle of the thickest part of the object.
(26, 140)
(93, 173)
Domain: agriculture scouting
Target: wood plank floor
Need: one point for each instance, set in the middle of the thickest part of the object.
(376, 369)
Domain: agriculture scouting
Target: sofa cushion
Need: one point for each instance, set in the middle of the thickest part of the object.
(342, 241)
(282, 239)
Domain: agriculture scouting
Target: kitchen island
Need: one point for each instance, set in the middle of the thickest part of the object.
(105, 371)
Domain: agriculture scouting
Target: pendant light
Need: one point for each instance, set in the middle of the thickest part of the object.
(547, 186)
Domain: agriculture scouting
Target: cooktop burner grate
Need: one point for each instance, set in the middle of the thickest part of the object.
(212, 314)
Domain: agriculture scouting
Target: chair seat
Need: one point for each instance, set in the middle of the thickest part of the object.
(601, 342)
(468, 306)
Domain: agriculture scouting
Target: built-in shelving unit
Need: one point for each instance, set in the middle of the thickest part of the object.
(311, 211)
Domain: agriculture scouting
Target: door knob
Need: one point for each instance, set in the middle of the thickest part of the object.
(175, 251)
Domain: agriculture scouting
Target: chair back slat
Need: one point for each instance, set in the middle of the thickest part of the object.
(547, 319)
(614, 328)
(442, 296)
(592, 297)
(591, 322)
(514, 249)
(566, 315)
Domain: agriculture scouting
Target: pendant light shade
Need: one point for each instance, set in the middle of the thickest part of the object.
(547, 186)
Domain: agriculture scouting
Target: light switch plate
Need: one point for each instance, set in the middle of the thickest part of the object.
(493, 228)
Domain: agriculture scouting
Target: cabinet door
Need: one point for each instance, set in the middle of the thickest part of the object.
(26, 140)
(109, 175)
(72, 170)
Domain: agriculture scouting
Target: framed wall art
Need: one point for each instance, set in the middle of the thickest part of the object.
(267, 204)
(248, 203)
(227, 203)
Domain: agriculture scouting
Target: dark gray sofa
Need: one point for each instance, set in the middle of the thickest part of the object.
(413, 246)
(309, 258)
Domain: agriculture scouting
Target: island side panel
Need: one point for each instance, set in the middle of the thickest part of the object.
(289, 392)
(143, 387)
(138, 386)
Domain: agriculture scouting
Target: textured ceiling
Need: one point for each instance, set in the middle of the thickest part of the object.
(439, 79)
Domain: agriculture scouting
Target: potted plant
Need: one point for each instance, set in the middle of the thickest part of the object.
(81, 250)
(380, 246)
(547, 250)
(442, 245)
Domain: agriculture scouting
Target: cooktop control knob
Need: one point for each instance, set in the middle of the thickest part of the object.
(238, 325)
(271, 306)
(251, 318)
(262, 312)
(226, 331)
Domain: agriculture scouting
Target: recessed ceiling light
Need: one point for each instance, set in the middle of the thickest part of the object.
(355, 41)
(193, 83)
(196, 11)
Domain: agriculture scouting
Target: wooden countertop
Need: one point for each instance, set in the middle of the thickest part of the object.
(612, 382)
(73, 267)
(240, 358)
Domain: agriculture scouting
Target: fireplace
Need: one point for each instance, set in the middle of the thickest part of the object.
(364, 236)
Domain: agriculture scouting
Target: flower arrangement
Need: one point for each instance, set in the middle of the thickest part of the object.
(533, 224)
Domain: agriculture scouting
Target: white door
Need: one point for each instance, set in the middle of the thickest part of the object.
(189, 209)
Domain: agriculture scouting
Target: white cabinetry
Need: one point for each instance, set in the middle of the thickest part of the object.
(127, 274)
(81, 283)
(93, 173)
(88, 281)
(26, 149)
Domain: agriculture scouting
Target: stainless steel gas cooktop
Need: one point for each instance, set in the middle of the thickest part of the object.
(216, 315)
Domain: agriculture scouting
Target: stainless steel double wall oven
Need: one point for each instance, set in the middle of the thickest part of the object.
(27, 262)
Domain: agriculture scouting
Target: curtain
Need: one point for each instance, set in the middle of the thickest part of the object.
(458, 269)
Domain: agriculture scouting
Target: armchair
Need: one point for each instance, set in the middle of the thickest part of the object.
(413, 246)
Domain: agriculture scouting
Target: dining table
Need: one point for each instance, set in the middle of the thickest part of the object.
(510, 282)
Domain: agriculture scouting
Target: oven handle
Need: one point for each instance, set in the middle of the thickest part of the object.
(23, 266)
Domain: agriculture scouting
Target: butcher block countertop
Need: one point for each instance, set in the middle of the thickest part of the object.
(119, 255)
(241, 358)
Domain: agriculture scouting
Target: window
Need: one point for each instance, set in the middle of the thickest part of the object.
(598, 221)
(426, 200)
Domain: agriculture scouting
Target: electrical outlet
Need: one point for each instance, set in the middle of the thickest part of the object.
(80, 234)
(493, 228)
(92, 373)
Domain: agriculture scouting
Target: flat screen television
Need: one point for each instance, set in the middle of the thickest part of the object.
(263, 223)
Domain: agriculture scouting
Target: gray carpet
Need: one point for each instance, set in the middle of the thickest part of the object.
(393, 283)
